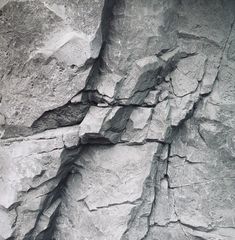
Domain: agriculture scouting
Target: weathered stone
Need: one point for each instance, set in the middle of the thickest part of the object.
(40, 69)
(171, 232)
(116, 123)
(92, 123)
(6, 223)
(213, 27)
(76, 99)
(152, 98)
(69, 114)
(29, 170)
(71, 137)
(182, 84)
(139, 97)
(188, 73)
(193, 178)
(112, 179)
(163, 96)
(138, 125)
(27, 163)
(142, 77)
(2, 120)
(209, 78)
(104, 124)
(160, 127)
(164, 211)
(108, 85)
(97, 224)
(181, 107)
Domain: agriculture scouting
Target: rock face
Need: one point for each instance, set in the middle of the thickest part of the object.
(117, 120)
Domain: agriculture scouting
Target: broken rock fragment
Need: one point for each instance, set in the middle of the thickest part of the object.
(160, 126)
(138, 125)
(188, 73)
(142, 77)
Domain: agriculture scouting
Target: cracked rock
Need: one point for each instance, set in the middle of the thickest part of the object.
(117, 120)
(39, 54)
(160, 127)
(142, 77)
(137, 126)
(188, 73)
(110, 183)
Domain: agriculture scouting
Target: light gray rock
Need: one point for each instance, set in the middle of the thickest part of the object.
(6, 222)
(188, 73)
(77, 98)
(164, 211)
(110, 183)
(195, 181)
(97, 224)
(2, 120)
(138, 125)
(171, 232)
(117, 120)
(160, 126)
(104, 124)
(93, 122)
(42, 71)
(71, 137)
(182, 84)
(142, 77)
(134, 35)
(152, 98)
(108, 85)
(29, 167)
(181, 107)
(209, 77)
(196, 23)
(163, 96)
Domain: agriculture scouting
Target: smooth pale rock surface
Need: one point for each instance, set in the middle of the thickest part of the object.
(110, 184)
(152, 98)
(138, 125)
(160, 128)
(98, 224)
(173, 231)
(181, 107)
(189, 72)
(6, 223)
(108, 85)
(117, 120)
(93, 121)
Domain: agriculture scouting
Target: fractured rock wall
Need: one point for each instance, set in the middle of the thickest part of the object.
(117, 120)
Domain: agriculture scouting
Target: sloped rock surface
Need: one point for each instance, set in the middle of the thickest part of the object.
(117, 120)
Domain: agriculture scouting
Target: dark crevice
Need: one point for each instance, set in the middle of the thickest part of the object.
(67, 115)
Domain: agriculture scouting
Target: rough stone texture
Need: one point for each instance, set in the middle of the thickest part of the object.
(117, 120)
(46, 57)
